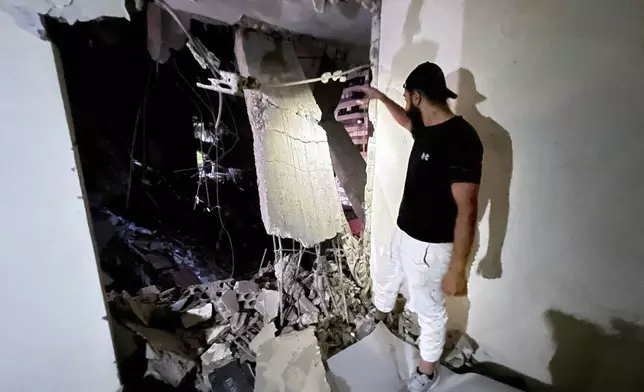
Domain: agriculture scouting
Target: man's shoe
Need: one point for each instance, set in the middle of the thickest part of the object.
(419, 382)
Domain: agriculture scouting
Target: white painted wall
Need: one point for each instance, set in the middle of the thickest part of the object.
(53, 336)
(562, 86)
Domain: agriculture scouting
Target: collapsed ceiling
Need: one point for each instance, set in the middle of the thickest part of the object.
(340, 20)
(346, 21)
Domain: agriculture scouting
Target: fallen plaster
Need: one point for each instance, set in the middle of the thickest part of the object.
(27, 13)
(291, 363)
(298, 197)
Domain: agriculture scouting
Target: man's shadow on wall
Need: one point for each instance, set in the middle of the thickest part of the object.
(494, 191)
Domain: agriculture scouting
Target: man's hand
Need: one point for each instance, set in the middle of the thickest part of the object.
(453, 283)
(397, 112)
(370, 93)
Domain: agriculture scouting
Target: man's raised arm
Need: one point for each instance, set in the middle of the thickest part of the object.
(397, 111)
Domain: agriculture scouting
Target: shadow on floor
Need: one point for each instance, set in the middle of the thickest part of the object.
(590, 358)
(587, 358)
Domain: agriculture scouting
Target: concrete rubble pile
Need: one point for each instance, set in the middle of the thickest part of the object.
(137, 257)
(195, 333)
(203, 330)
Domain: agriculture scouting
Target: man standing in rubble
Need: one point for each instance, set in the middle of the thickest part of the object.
(437, 216)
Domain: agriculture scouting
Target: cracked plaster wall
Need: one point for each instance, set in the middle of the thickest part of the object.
(298, 196)
(54, 335)
(555, 91)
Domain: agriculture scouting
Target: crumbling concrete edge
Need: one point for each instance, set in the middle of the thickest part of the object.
(374, 55)
(28, 14)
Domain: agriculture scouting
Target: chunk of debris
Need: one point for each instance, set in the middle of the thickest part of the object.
(214, 333)
(227, 304)
(142, 310)
(158, 261)
(162, 340)
(185, 277)
(246, 287)
(267, 333)
(291, 363)
(218, 353)
(237, 322)
(197, 315)
(151, 292)
(268, 305)
(167, 367)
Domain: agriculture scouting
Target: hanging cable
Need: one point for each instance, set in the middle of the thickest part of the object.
(215, 72)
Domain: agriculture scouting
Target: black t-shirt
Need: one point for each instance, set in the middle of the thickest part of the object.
(442, 155)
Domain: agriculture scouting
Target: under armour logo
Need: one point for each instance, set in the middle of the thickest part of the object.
(424, 156)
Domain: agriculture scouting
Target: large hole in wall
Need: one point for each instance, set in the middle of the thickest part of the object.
(148, 149)
(173, 201)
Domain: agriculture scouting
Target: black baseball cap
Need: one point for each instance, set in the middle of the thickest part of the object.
(429, 79)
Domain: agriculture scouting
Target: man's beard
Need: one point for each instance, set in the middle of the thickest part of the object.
(415, 116)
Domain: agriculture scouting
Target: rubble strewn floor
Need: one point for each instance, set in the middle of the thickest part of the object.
(193, 331)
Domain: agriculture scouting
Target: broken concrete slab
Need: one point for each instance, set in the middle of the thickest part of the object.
(167, 367)
(151, 291)
(158, 261)
(298, 197)
(185, 278)
(162, 340)
(214, 333)
(268, 304)
(142, 310)
(291, 363)
(227, 304)
(197, 315)
(218, 353)
(246, 287)
(237, 322)
(266, 334)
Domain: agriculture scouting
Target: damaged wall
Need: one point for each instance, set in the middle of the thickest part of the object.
(555, 91)
(345, 22)
(54, 335)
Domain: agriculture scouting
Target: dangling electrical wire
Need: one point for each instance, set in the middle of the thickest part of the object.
(215, 72)
(144, 103)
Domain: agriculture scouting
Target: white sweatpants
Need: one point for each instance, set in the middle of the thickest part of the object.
(422, 265)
